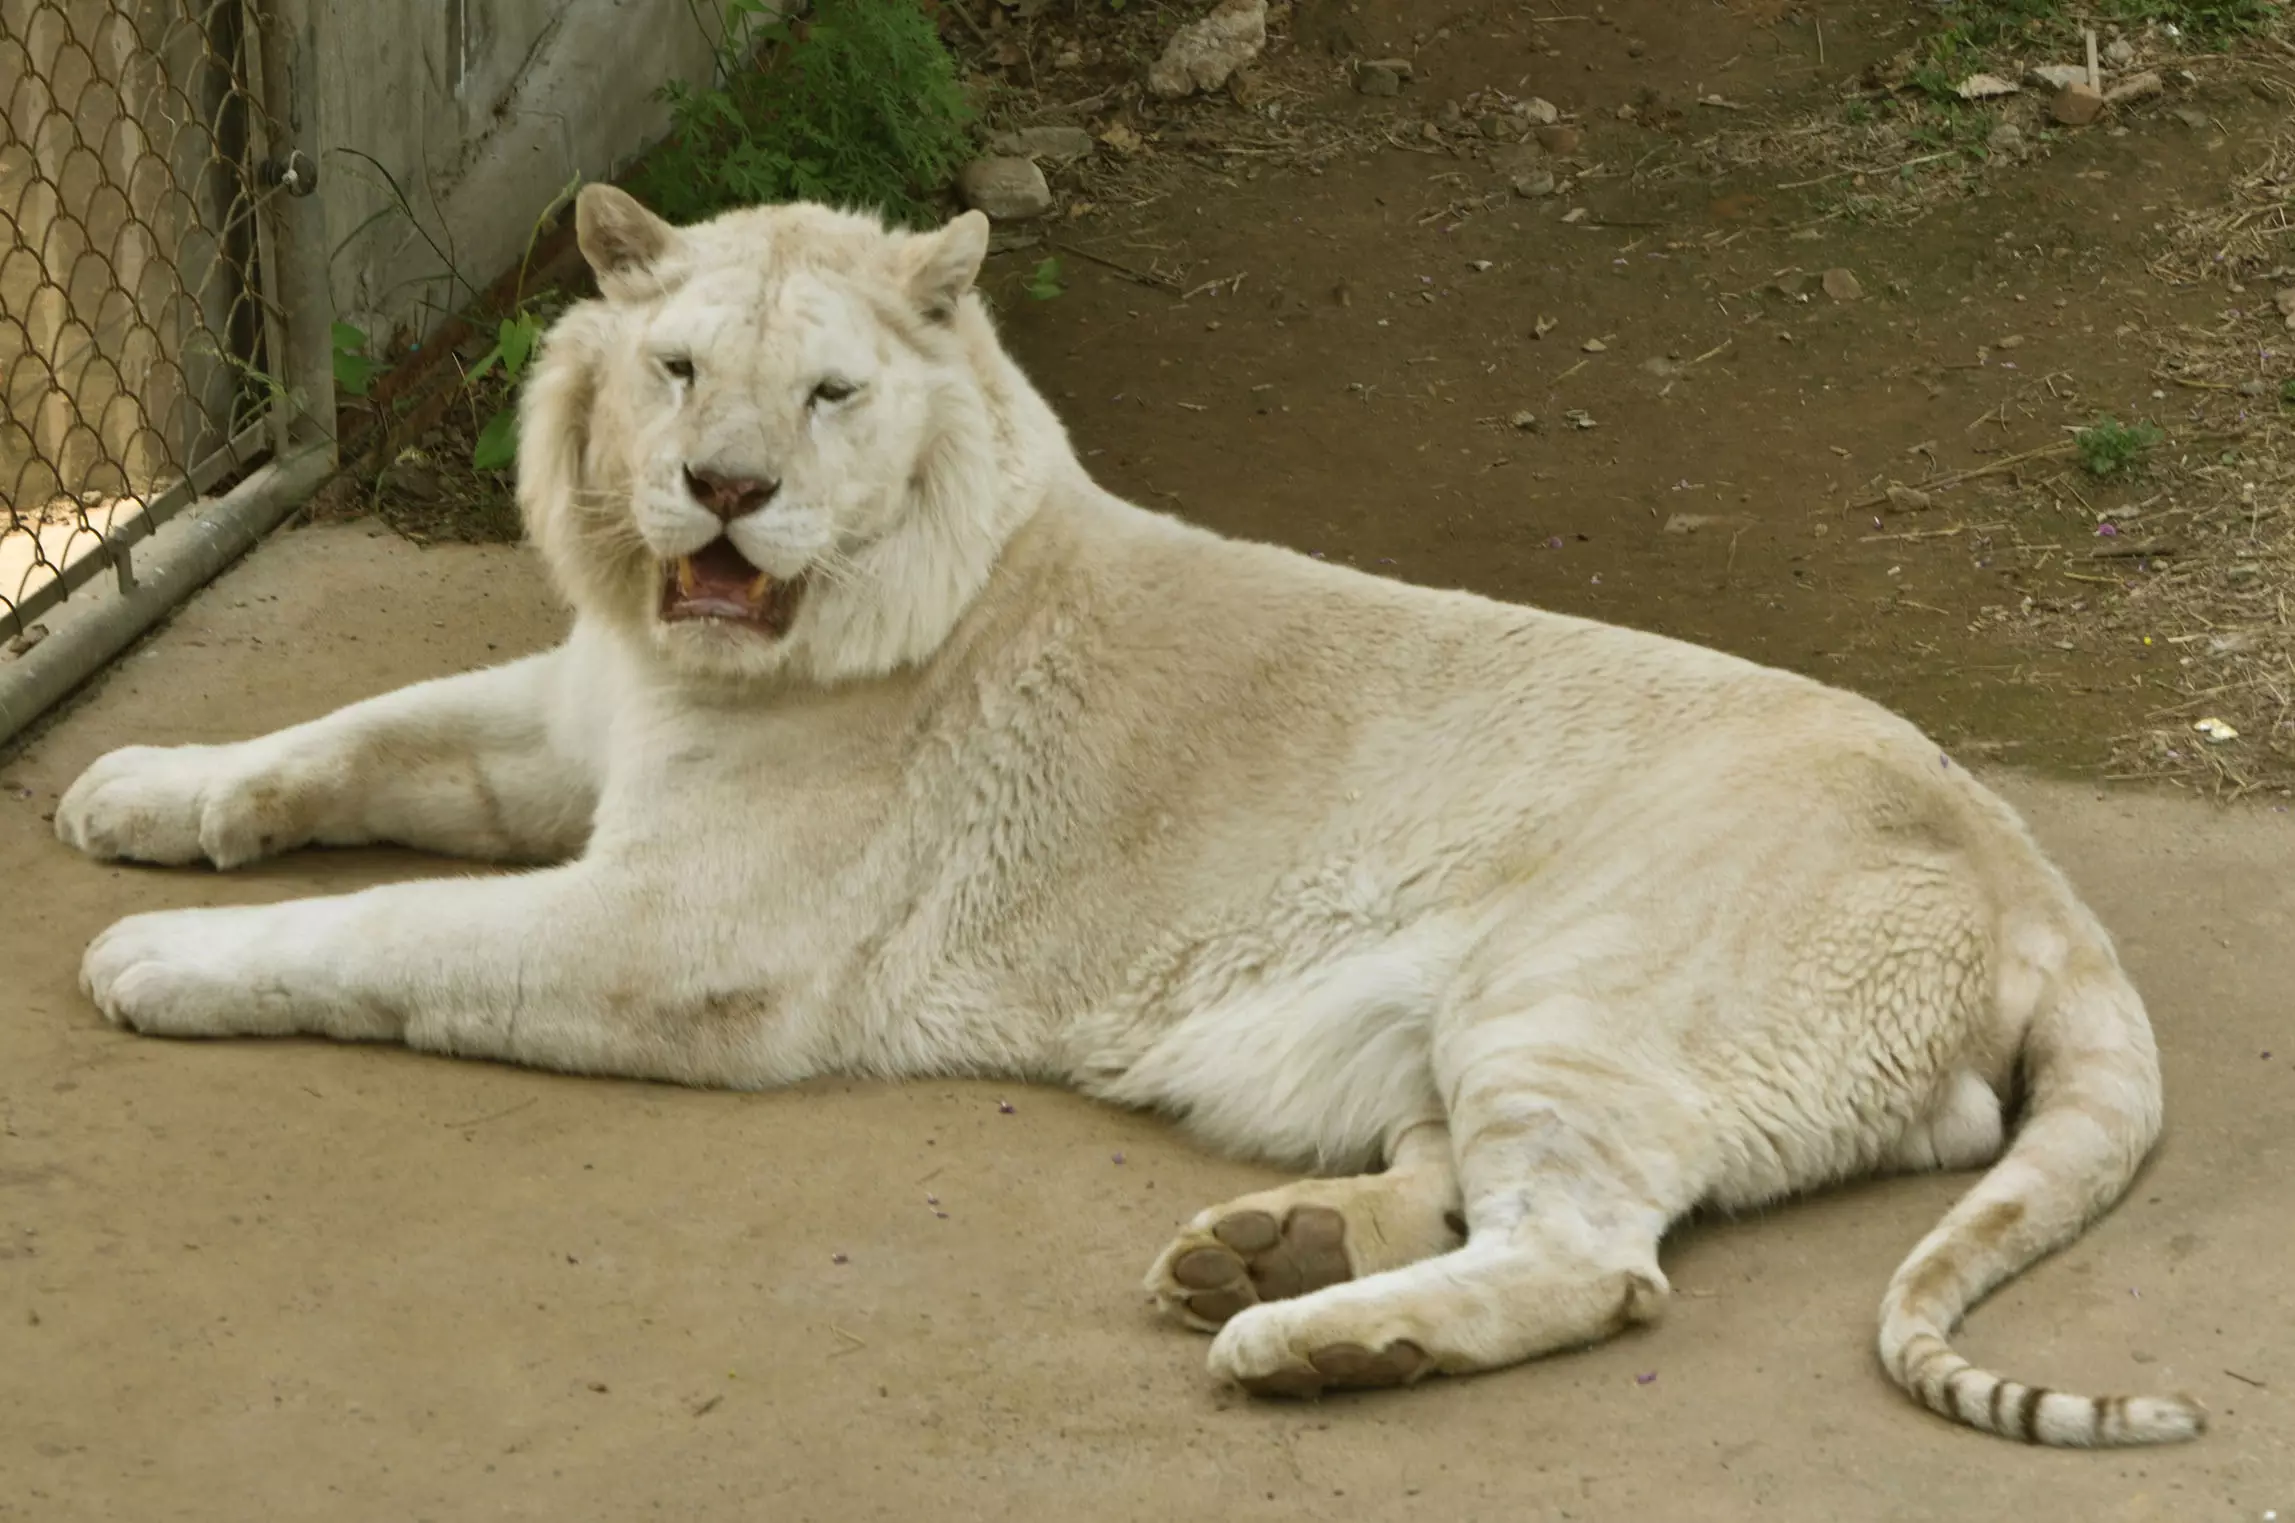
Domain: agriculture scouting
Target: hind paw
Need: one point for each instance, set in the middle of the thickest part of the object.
(1214, 1270)
(1298, 1239)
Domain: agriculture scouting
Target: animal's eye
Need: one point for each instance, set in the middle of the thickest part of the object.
(831, 391)
(678, 366)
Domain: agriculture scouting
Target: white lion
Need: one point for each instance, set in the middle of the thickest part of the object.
(886, 743)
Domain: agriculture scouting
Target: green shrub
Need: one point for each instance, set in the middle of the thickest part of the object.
(857, 104)
(2111, 447)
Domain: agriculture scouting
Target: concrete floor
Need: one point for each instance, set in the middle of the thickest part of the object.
(293, 1280)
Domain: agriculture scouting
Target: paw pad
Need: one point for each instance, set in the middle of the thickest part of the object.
(1251, 1257)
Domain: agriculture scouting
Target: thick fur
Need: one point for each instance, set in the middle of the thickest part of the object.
(1578, 927)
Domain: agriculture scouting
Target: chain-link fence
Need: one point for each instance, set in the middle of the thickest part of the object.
(133, 328)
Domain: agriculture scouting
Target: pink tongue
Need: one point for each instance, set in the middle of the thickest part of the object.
(720, 571)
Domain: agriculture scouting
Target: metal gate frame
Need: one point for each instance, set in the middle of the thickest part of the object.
(290, 444)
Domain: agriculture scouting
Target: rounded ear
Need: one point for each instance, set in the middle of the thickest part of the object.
(621, 240)
(944, 265)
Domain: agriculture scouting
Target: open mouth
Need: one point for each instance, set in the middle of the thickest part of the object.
(717, 582)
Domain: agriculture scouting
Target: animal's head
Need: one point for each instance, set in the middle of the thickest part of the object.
(781, 444)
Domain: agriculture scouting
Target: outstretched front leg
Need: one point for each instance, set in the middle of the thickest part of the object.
(571, 968)
(498, 764)
(1301, 1237)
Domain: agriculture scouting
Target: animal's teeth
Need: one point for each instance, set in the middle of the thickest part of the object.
(687, 582)
(759, 589)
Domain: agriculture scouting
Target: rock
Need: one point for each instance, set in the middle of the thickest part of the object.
(2055, 76)
(1542, 112)
(1249, 89)
(1904, 499)
(2077, 105)
(2254, 388)
(2285, 302)
(1008, 189)
(1378, 79)
(1560, 140)
(1500, 129)
(1540, 183)
(1986, 87)
(413, 479)
(29, 638)
(2194, 118)
(2120, 53)
(2134, 88)
(2007, 138)
(1595, 346)
(1055, 145)
(1525, 422)
(1690, 523)
(1201, 55)
(1842, 286)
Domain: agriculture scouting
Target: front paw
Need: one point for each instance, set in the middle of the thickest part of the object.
(208, 972)
(174, 805)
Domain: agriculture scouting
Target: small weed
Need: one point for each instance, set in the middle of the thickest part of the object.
(2287, 391)
(1044, 281)
(355, 369)
(1953, 129)
(515, 335)
(514, 340)
(2112, 448)
(858, 104)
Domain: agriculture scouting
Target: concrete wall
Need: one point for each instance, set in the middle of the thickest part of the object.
(482, 111)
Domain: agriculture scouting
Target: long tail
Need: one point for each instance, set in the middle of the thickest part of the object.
(2092, 1114)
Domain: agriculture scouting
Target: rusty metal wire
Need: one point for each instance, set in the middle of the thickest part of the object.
(132, 331)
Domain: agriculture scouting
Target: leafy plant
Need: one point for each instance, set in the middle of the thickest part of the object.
(516, 334)
(1044, 280)
(2287, 391)
(355, 369)
(514, 340)
(858, 104)
(2111, 447)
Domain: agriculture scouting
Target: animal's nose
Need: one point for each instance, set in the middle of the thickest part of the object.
(729, 496)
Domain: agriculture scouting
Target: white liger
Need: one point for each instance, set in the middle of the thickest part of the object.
(886, 743)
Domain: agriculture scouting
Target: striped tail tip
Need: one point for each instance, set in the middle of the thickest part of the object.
(1950, 1386)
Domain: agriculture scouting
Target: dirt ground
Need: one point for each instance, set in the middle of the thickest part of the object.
(285, 1280)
